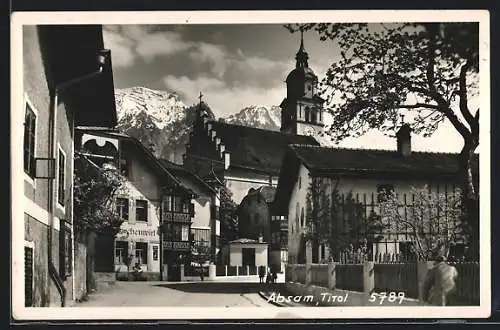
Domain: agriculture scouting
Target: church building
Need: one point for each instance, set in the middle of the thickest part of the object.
(246, 157)
(249, 159)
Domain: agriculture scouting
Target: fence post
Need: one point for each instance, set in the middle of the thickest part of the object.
(237, 270)
(211, 272)
(165, 272)
(293, 273)
(225, 270)
(182, 272)
(332, 278)
(422, 269)
(368, 277)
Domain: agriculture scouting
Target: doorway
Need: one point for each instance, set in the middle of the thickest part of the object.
(248, 256)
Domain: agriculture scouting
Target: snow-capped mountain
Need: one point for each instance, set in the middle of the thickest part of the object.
(258, 116)
(161, 107)
(160, 119)
(156, 118)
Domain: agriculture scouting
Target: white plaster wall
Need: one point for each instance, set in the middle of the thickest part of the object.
(235, 255)
(364, 188)
(201, 212)
(298, 196)
(151, 226)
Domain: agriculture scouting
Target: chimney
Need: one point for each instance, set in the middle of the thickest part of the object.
(404, 140)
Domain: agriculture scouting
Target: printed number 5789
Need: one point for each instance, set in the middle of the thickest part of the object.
(391, 297)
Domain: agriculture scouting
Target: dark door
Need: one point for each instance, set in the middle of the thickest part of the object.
(248, 256)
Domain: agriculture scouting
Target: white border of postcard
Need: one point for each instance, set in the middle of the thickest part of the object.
(241, 17)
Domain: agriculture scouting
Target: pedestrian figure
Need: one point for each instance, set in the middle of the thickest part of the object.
(268, 275)
(137, 271)
(202, 275)
(275, 276)
(439, 282)
(262, 273)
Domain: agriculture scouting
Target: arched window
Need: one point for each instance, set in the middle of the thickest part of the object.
(314, 115)
(302, 218)
(308, 114)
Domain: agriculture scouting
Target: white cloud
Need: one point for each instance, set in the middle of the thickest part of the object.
(223, 100)
(157, 44)
(122, 53)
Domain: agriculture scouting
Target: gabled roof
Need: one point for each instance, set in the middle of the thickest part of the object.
(341, 160)
(185, 176)
(257, 149)
(147, 155)
(69, 52)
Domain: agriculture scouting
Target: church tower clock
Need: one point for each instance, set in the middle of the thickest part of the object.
(302, 109)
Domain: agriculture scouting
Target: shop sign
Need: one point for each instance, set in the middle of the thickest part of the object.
(138, 233)
(176, 246)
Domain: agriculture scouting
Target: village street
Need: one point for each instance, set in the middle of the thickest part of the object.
(219, 293)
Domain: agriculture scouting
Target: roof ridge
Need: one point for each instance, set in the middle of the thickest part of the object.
(256, 128)
(301, 145)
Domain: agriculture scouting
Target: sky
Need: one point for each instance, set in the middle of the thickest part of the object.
(233, 66)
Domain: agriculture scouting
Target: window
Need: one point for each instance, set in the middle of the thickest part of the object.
(61, 191)
(314, 115)
(125, 167)
(29, 141)
(141, 253)
(302, 218)
(122, 208)
(177, 204)
(167, 203)
(141, 210)
(121, 252)
(186, 206)
(155, 253)
(185, 233)
(300, 181)
(308, 112)
(384, 191)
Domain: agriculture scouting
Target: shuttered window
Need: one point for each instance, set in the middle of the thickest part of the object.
(29, 141)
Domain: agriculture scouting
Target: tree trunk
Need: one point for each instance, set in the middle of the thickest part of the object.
(470, 196)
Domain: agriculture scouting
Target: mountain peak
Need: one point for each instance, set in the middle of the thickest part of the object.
(259, 116)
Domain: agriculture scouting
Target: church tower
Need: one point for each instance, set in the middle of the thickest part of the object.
(302, 109)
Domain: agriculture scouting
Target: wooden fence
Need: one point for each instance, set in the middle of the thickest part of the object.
(387, 277)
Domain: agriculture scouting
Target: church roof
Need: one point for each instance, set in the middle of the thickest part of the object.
(257, 149)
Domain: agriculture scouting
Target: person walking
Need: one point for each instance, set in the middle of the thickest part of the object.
(262, 273)
(439, 283)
